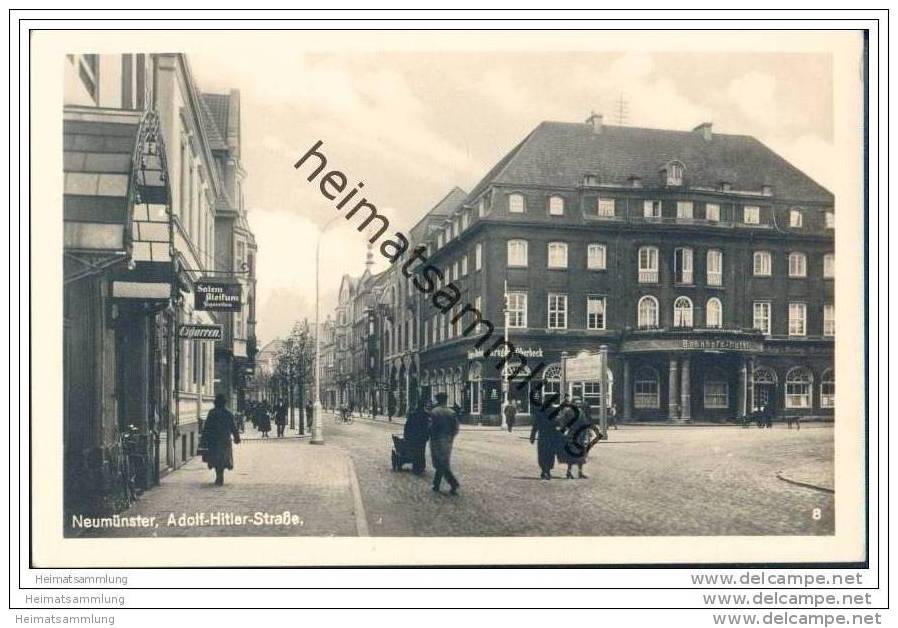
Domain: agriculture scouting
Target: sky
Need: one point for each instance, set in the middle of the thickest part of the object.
(411, 125)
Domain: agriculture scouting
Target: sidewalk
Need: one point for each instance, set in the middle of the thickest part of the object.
(282, 487)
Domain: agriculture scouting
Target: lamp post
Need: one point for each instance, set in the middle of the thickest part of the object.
(317, 422)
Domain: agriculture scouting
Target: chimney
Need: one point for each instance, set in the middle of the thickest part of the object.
(595, 119)
(705, 129)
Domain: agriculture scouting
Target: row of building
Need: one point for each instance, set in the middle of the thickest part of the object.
(704, 262)
(159, 271)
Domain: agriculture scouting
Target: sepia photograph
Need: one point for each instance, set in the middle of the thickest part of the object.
(538, 292)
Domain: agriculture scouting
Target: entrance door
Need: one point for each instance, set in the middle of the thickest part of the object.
(765, 396)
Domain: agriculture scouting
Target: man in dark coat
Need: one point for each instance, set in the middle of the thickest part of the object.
(310, 411)
(280, 419)
(217, 432)
(511, 413)
(545, 433)
(443, 429)
(415, 434)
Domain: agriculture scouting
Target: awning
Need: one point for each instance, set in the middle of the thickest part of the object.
(116, 198)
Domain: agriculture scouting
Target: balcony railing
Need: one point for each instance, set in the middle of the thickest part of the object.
(648, 276)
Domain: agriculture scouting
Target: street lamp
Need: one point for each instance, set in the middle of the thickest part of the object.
(317, 422)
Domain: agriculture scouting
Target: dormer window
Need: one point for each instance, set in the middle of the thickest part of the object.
(674, 173)
(795, 219)
(635, 182)
(766, 190)
(516, 203)
(726, 186)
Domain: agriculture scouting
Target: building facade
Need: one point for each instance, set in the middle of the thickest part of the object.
(236, 251)
(140, 188)
(703, 261)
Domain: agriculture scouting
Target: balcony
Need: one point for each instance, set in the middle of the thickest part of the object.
(648, 276)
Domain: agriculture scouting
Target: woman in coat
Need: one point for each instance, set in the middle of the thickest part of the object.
(575, 423)
(545, 433)
(217, 432)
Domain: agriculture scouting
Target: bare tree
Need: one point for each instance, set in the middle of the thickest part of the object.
(295, 361)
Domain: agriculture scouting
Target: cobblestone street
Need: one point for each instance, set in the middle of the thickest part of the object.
(643, 481)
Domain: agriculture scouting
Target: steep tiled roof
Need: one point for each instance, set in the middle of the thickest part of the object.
(561, 154)
(213, 120)
(447, 206)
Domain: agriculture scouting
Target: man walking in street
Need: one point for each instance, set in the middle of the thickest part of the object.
(511, 413)
(280, 419)
(443, 429)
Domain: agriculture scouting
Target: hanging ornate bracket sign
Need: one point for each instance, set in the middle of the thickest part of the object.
(217, 296)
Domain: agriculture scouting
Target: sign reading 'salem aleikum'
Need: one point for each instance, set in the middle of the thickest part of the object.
(217, 296)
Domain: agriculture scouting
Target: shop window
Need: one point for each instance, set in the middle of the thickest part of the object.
(714, 313)
(551, 388)
(646, 393)
(682, 315)
(799, 383)
(828, 389)
(717, 391)
(647, 312)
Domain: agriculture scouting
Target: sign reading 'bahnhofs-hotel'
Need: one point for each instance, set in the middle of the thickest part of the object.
(728, 344)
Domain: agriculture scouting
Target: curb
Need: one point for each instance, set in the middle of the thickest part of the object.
(358, 507)
(815, 487)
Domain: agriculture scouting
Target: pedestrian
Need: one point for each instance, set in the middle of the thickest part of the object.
(280, 419)
(443, 429)
(511, 413)
(415, 433)
(265, 422)
(309, 415)
(576, 426)
(545, 433)
(220, 426)
(612, 416)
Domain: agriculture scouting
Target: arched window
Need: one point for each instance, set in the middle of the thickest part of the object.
(516, 203)
(717, 390)
(764, 375)
(714, 313)
(828, 389)
(647, 312)
(799, 383)
(517, 252)
(682, 312)
(648, 264)
(646, 392)
(556, 206)
(551, 382)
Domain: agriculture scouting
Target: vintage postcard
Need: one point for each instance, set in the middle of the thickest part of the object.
(448, 298)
